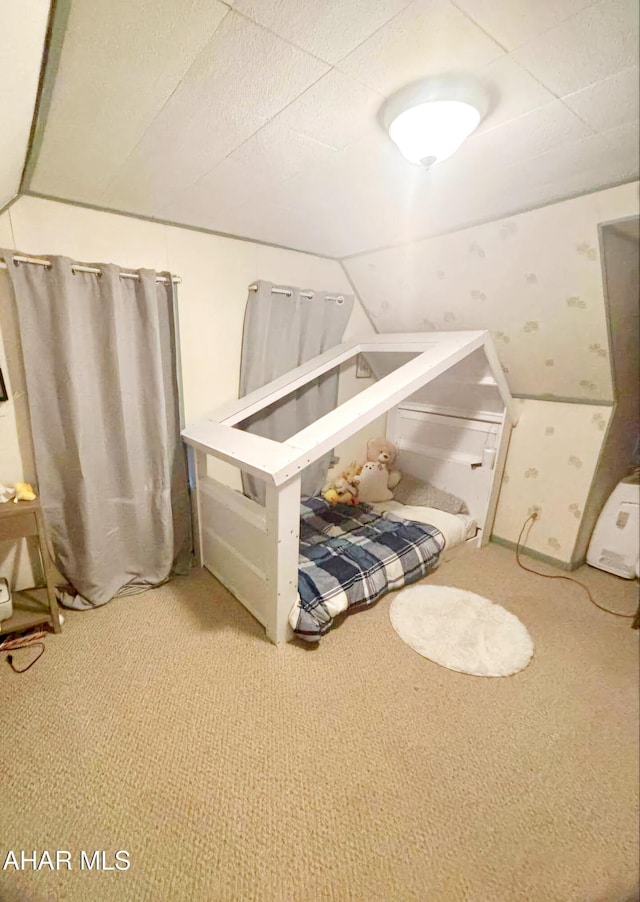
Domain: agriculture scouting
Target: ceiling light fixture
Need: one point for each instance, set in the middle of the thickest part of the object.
(429, 120)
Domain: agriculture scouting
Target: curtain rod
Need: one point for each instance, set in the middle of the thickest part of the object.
(78, 267)
(338, 298)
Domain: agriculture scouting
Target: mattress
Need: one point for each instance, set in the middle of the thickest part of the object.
(456, 528)
(352, 555)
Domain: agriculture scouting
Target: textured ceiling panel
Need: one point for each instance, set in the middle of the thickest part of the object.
(511, 90)
(588, 47)
(428, 38)
(256, 171)
(610, 103)
(112, 83)
(223, 100)
(261, 119)
(335, 110)
(329, 29)
(534, 133)
(460, 197)
(277, 153)
(514, 22)
(22, 31)
(213, 198)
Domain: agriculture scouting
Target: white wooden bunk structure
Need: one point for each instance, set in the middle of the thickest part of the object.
(450, 413)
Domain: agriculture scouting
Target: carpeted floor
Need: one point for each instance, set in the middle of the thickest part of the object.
(165, 725)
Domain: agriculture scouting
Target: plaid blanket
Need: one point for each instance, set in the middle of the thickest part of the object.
(350, 556)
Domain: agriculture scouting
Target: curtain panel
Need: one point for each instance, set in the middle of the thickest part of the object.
(100, 369)
(282, 331)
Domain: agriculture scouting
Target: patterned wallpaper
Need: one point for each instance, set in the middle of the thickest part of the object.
(552, 457)
(533, 279)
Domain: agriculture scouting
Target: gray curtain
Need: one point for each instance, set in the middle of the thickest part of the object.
(99, 357)
(280, 333)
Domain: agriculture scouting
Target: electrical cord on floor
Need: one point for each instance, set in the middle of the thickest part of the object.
(39, 645)
(531, 520)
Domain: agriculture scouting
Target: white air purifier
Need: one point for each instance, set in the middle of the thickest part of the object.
(6, 607)
(615, 542)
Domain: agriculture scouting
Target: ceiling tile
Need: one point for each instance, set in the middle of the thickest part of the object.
(513, 22)
(272, 223)
(277, 153)
(368, 173)
(361, 199)
(587, 48)
(222, 124)
(430, 37)
(223, 100)
(609, 103)
(228, 186)
(328, 30)
(593, 162)
(177, 151)
(512, 91)
(526, 136)
(334, 110)
(111, 84)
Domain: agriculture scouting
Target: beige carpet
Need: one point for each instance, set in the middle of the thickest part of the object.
(165, 725)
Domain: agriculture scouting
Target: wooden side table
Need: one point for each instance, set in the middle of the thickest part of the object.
(31, 607)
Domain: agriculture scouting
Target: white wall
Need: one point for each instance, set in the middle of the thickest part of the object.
(215, 273)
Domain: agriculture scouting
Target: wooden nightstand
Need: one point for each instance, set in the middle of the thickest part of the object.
(31, 607)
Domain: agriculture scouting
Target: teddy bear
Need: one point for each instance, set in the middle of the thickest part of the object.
(372, 483)
(385, 452)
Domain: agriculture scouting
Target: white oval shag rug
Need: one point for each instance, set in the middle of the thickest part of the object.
(461, 630)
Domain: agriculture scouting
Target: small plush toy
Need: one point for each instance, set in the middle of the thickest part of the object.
(385, 452)
(342, 489)
(372, 483)
(339, 491)
(24, 492)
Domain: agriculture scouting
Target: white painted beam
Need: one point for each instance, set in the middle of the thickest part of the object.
(283, 533)
(259, 456)
(334, 427)
(243, 408)
(498, 375)
(278, 462)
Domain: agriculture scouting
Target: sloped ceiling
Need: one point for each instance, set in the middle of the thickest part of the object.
(23, 27)
(258, 118)
(534, 280)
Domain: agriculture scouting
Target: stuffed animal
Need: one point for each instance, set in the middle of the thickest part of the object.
(339, 491)
(372, 483)
(342, 489)
(24, 492)
(385, 452)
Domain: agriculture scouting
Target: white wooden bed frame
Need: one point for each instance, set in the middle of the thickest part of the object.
(253, 550)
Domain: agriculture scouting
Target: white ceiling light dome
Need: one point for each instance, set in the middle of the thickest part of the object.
(429, 120)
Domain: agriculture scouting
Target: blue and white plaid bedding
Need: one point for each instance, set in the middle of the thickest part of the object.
(350, 556)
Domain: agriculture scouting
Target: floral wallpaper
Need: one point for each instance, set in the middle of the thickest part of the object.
(552, 457)
(535, 281)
